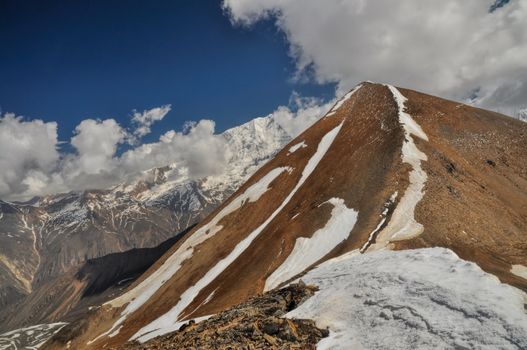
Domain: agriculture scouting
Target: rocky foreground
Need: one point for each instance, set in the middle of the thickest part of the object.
(255, 324)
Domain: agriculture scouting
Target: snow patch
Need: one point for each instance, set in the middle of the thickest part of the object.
(308, 251)
(209, 297)
(31, 337)
(167, 322)
(413, 299)
(294, 148)
(520, 271)
(402, 224)
(522, 115)
(139, 295)
(371, 237)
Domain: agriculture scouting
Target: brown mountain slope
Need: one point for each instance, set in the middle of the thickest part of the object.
(386, 168)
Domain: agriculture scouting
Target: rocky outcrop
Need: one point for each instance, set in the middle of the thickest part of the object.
(254, 324)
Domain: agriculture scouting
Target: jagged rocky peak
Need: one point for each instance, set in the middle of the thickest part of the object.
(257, 138)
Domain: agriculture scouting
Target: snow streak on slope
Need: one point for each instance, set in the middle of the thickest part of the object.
(342, 100)
(308, 251)
(294, 148)
(520, 271)
(413, 299)
(168, 322)
(140, 294)
(402, 224)
(372, 234)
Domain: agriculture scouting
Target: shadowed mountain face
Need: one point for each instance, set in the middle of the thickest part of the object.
(73, 293)
(99, 274)
(43, 244)
(386, 168)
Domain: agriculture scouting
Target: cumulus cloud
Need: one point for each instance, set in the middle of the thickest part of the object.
(32, 165)
(96, 142)
(28, 150)
(456, 49)
(145, 120)
(197, 149)
(300, 114)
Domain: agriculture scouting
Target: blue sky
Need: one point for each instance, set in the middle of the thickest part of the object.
(66, 61)
(83, 67)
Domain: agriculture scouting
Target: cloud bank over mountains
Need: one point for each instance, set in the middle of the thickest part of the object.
(33, 163)
(470, 50)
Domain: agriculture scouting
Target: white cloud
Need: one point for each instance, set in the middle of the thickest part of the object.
(28, 150)
(450, 48)
(96, 142)
(31, 165)
(145, 120)
(198, 149)
(301, 113)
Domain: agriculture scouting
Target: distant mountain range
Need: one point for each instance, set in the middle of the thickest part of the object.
(51, 237)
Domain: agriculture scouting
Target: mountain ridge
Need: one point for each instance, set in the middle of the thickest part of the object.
(442, 159)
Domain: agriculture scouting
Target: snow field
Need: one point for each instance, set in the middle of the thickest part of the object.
(29, 338)
(520, 271)
(308, 251)
(292, 149)
(413, 299)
